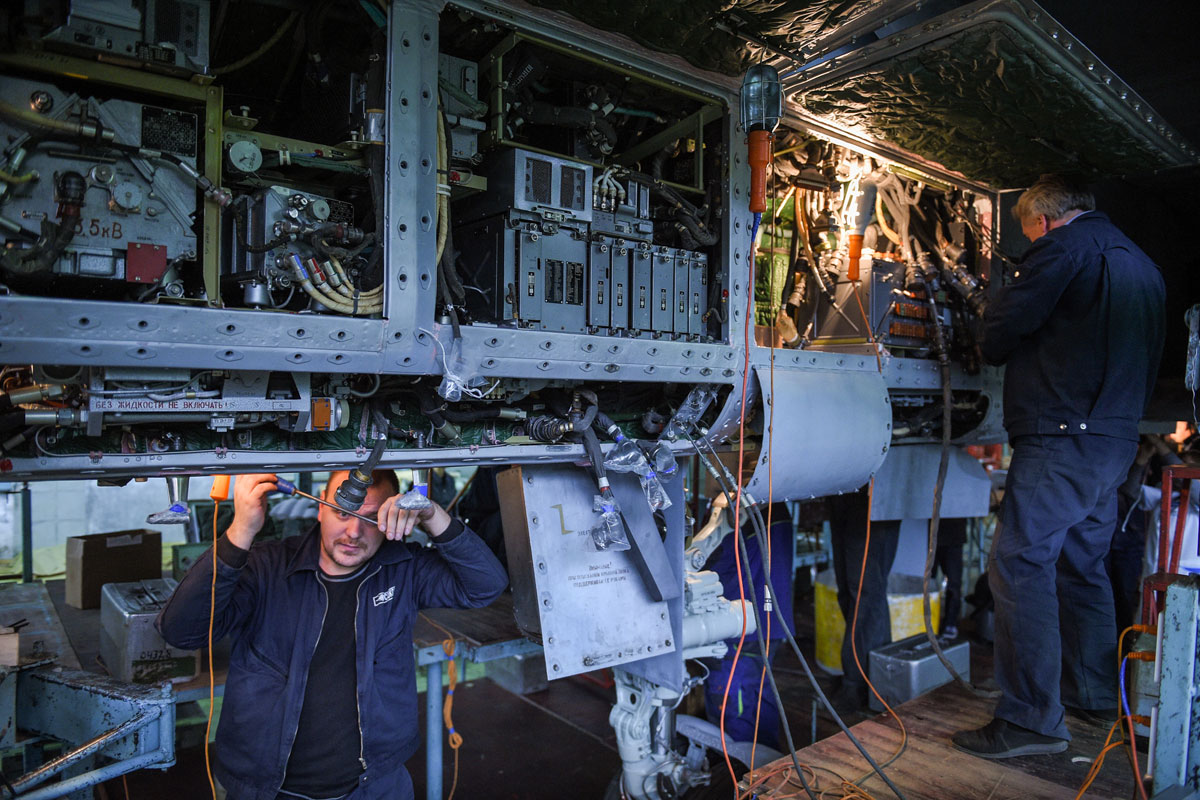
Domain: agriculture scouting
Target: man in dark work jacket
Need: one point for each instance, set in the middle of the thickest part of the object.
(320, 701)
(1080, 330)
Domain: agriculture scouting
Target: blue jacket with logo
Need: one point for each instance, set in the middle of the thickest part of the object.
(1080, 330)
(272, 604)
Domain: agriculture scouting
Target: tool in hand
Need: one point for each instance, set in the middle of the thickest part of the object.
(287, 487)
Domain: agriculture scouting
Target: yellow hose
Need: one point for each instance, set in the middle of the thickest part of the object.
(883, 226)
(8, 177)
(335, 303)
(346, 287)
(32, 119)
(443, 201)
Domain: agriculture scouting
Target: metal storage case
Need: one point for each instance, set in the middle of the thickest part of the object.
(130, 646)
(909, 668)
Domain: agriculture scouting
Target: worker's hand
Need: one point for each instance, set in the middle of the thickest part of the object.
(786, 328)
(249, 508)
(397, 523)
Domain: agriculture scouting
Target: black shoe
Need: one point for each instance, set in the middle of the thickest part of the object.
(1097, 715)
(1002, 739)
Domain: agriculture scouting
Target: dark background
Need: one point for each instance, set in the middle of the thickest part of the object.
(1151, 46)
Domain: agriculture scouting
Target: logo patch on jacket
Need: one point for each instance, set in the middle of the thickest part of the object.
(384, 597)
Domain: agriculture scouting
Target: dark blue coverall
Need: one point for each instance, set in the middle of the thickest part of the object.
(1080, 329)
(744, 700)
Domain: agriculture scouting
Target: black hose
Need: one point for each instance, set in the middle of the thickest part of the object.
(657, 160)
(472, 415)
(686, 242)
(787, 729)
(591, 446)
(675, 198)
(69, 190)
(432, 410)
(787, 733)
(378, 417)
(458, 295)
(443, 287)
(376, 161)
(342, 254)
(943, 356)
(540, 113)
(11, 420)
(604, 422)
(756, 517)
(705, 238)
(585, 422)
(375, 457)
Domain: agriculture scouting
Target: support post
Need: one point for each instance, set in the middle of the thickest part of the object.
(433, 731)
(26, 534)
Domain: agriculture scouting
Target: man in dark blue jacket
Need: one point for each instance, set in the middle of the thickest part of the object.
(1080, 328)
(320, 700)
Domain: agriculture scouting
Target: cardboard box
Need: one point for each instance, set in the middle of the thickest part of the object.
(117, 557)
(10, 647)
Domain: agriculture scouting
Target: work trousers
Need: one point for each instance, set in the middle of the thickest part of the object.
(1125, 559)
(848, 536)
(1055, 642)
(745, 702)
(396, 785)
(949, 559)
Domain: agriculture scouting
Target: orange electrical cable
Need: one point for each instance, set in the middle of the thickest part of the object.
(454, 738)
(1099, 762)
(867, 323)
(212, 685)
(1137, 770)
(1150, 629)
(736, 510)
(862, 572)
(770, 506)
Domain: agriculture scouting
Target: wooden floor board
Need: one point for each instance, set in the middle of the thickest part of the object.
(932, 769)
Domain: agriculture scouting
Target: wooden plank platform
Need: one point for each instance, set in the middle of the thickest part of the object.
(474, 626)
(932, 769)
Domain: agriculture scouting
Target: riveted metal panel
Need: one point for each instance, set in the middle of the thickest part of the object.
(828, 432)
(564, 582)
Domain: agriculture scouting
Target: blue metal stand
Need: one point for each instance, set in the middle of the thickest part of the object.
(431, 657)
(433, 731)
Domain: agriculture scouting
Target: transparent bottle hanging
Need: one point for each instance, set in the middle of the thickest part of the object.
(664, 462)
(626, 456)
(652, 487)
(609, 533)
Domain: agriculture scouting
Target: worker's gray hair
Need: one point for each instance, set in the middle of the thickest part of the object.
(1053, 196)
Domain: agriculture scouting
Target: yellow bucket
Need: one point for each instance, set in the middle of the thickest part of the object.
(905, 608)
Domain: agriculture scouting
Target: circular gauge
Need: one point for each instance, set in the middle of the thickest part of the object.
(319, 210)
(245, 156)
(103, 174)
(127, 196)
